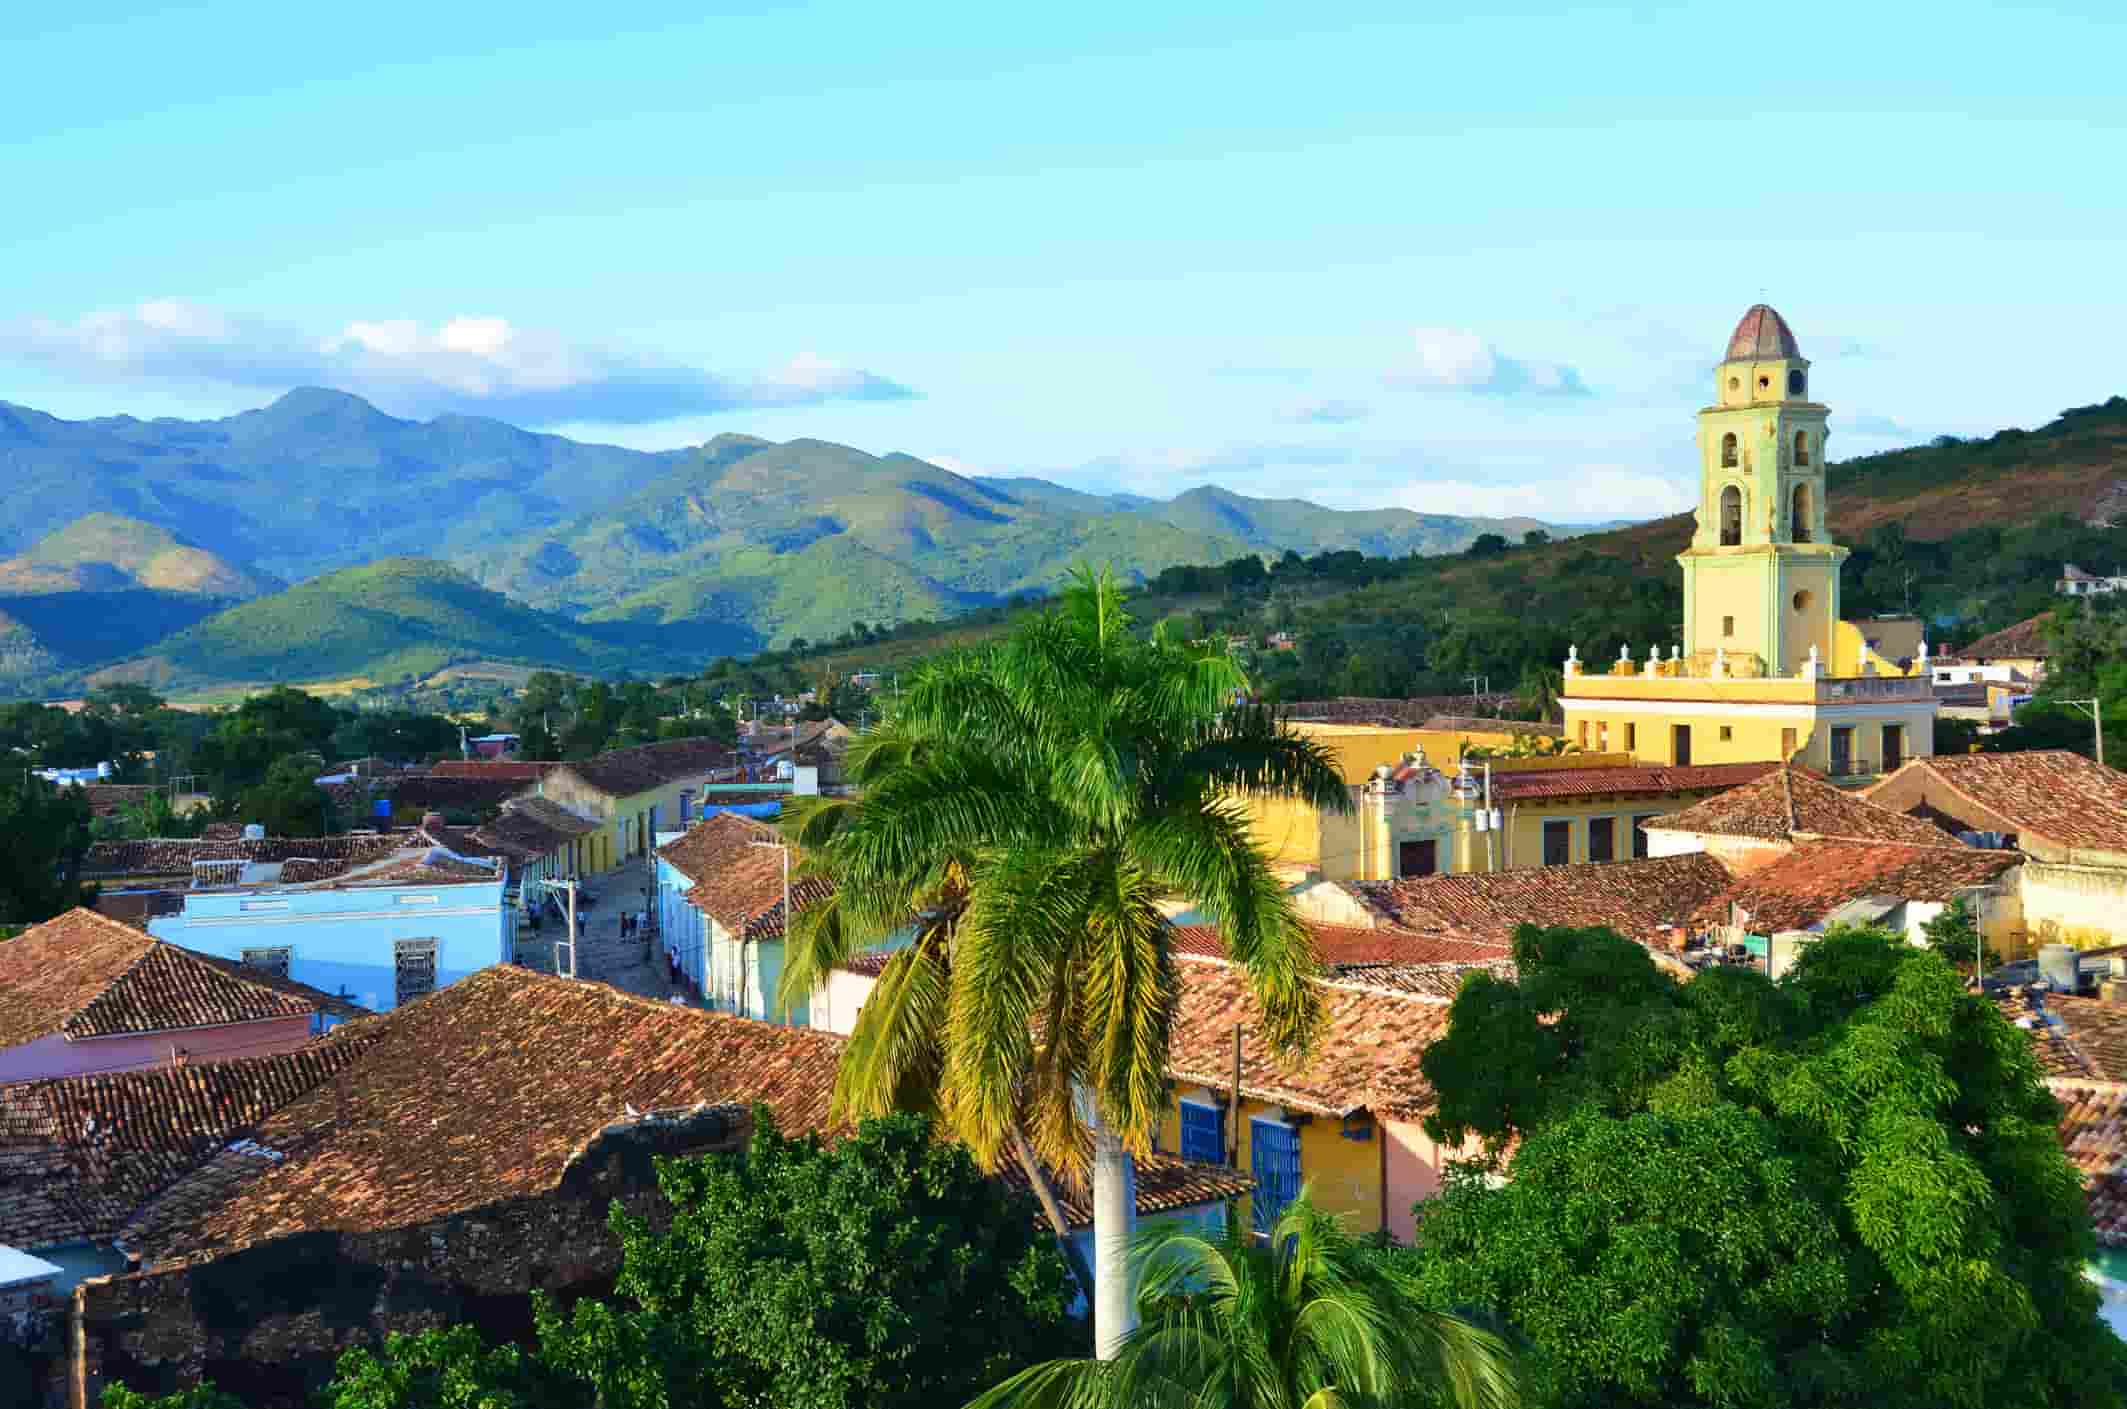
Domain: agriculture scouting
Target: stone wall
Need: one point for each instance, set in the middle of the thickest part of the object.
(268, 1322)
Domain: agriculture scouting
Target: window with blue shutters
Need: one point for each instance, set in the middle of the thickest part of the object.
(1275, 1165)
(1203, 1133)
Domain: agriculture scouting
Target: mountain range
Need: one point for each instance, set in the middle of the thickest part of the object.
(161, 549)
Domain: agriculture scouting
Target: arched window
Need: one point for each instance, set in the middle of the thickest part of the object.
(1796, 382)
(1731, 515)
(1801, 447)
(1798, 525)
(1728, 451)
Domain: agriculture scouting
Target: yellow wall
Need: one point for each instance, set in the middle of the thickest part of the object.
(1773, 734)
(1524, 822)
(1346, 1174)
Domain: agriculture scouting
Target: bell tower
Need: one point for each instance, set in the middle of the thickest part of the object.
(1761, 579)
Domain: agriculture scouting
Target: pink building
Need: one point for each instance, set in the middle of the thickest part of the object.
(84, 994)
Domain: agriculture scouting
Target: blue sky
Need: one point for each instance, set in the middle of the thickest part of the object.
(1480, 260)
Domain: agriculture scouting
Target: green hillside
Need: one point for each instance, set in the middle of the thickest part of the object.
(106, 552)
(802, 538)
(388, 621)
(1278, 524)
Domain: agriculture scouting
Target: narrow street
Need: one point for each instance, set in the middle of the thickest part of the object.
(634, 964)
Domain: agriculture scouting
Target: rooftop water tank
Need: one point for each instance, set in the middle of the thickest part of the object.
(2057, 966)
(254, 832)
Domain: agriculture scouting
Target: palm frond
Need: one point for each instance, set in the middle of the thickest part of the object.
(895, 1057)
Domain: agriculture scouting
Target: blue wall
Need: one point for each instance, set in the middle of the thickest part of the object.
(342, 939)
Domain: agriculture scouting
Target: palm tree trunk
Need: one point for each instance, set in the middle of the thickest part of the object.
(1045, 1195)
(1114, 1224)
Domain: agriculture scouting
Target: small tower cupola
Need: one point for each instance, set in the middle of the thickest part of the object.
(1763, 362)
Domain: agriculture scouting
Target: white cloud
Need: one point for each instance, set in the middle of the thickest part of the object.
(1325, 413)
(1591, 494)
(477, 365)
(1456, 359)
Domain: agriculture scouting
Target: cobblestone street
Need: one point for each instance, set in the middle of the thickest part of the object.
(634, 964)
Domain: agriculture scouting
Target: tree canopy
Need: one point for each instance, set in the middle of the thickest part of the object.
(1842, 1189)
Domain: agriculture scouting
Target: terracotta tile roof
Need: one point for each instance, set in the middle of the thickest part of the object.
(2096, 1030)
(1762, 335)
(870, 964)
(1799, 889)
(78, 1156)
(1366, 1058)
(1165, 1183)
(2027, 640)
(2058, 1054)
(106, 799)
(1439, 981)
(174, 856)
(1339, 947)
(430, 867)
(625, 772)
(86, 975)
(488, 1089)
(737, 882)
(1789, 802)
(1636, 898)
(2050, 793)
(490, 768)
(1406, 713)
(1519, 786)
(2094, 1132)
(439, 792)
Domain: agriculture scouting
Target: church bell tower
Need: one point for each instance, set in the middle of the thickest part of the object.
(1761, 579)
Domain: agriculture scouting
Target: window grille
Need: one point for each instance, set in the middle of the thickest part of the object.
(272, 961)
(414, 961)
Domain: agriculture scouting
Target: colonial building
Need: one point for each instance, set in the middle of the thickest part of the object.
(1767, 670)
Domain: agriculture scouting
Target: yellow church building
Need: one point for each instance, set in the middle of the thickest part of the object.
(1767, 670)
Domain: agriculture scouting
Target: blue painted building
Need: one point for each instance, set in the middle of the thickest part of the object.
(378, 935)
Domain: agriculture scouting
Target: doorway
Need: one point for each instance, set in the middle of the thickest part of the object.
(1680, 745)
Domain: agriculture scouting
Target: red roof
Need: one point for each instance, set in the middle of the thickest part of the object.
(1365, 1058)
(1816, 878)
(2052, 794)
(1515, 785)
(1762, 335)
(736, 865)
(1636, 898)
(1789, 802)
(1341, 946)
(2027, 640)
(86, 975)
(491, 768)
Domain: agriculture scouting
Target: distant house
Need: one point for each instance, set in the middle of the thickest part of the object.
(85, 994)
(380, 934)
(2074, 582)
(720, 909)
(2024, 648)
(1347, 1121)
(2066, 814)
(635, 793)
(539, 839)
(494, 745)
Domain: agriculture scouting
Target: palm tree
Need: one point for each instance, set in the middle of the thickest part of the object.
(1024, 809)
(1310, 1319)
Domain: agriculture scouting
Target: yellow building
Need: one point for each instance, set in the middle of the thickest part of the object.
(1344, 1123)
(635, 793)
(1767, 671)
(1406, 817)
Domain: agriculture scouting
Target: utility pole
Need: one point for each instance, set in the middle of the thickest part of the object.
(2096, 710)
(785, 849)
(568, 887)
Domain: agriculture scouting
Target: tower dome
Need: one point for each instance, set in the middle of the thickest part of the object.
(1762, 336)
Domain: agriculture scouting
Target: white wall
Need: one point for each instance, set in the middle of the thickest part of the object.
(2081, 905)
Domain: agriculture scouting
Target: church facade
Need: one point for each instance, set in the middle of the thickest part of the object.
(1766, 669)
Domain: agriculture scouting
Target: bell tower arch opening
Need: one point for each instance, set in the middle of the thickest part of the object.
(1730, 457)
(1731, 517)
(1798, 528)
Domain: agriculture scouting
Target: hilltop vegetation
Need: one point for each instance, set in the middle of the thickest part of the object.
(385, 622)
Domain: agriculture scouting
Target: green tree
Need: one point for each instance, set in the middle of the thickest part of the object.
(1487, 545)
(200, 1396)
(1024, 810)
(1842, 1189)
(44, 832)
(1954, 934)
(447, 1368)
(1310, 1319)
(288, 802)
(884, 1272)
